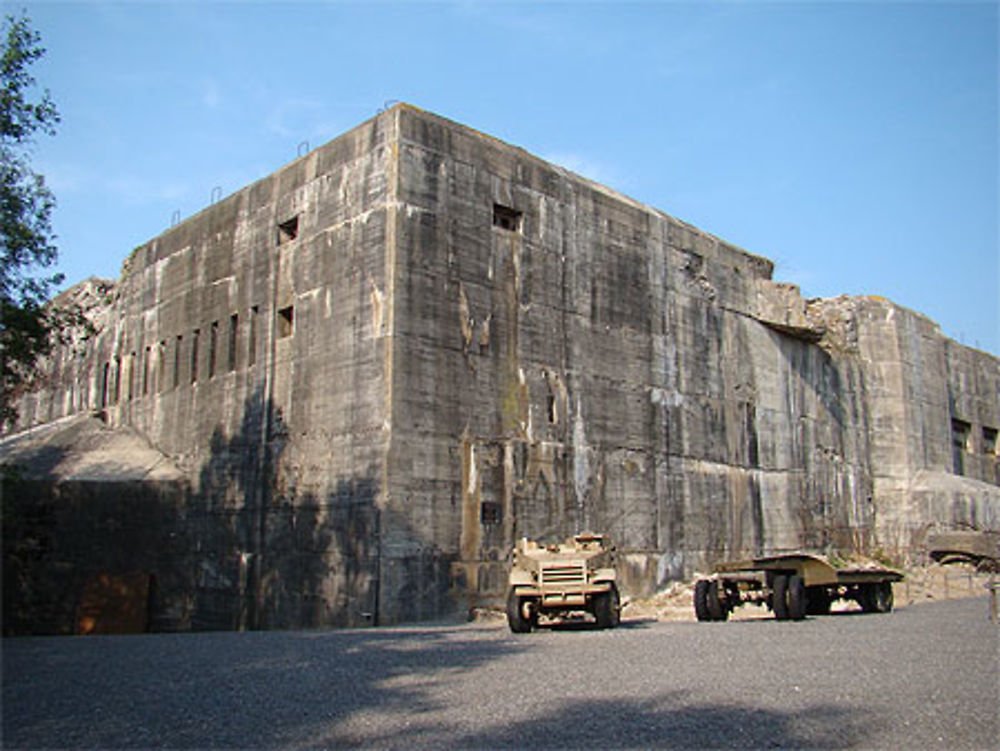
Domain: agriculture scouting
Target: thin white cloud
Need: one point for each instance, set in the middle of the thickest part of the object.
(211, 94)
(289, 117)
(582, 165)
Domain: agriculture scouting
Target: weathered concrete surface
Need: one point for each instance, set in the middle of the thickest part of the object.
(81, 448)
(414, 345)
(922, 387)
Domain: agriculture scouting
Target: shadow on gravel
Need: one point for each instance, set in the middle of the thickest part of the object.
(589, 625)
(213, 690)
(637, 623)
(672, 722)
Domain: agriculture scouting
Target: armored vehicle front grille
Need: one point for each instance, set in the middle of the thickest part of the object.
(564, 573)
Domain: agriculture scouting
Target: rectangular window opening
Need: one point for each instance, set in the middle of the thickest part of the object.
(104, 385)
(286, 322)
(989, 441)
(288, 230)
(234, 327)
(506, 218)
(252, 347)
(552, 409)
(161, 369)
(145, 371)
(118, 380)
(177, 360)
(131, 376)
(194, 355)
(960, 432)
(490, 512)
(213, 347)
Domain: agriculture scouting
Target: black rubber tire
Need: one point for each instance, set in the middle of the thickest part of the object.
(882, 599)
(716, 608)
(701, 600)
(818, 601)
(796, 598)
(516, 620)
(866, 598)
(779, 598)
(607, 608)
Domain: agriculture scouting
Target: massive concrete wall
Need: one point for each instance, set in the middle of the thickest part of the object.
(384, 363)
(576, 360)
(249, 345)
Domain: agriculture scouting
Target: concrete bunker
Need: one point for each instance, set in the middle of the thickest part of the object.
(487, 346)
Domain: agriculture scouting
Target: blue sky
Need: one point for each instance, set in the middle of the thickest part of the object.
(855, 144)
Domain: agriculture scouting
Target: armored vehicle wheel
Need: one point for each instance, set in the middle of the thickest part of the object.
(701, 600)
(716, 608)
(779, 600)
(796, 596)
(608, 608)
(519, 621)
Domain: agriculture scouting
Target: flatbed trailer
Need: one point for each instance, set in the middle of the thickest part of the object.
(792, 586)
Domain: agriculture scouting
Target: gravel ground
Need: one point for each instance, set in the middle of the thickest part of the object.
(922, 677)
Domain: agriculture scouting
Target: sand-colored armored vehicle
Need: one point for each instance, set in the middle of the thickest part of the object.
(558, 579)
(794, 585)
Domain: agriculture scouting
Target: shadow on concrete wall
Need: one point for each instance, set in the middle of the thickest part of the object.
(226, 552)
(266, 554)
(61, 539)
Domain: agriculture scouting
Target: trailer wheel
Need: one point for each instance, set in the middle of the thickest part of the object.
(519, 621)
(875, 597)
(607, 608)
(879, 599)
(886, 599)
(716, 607)
(796, 595)
(779, 601)
(701, 600)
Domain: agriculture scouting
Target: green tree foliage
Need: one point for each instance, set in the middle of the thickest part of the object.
(26, 238)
